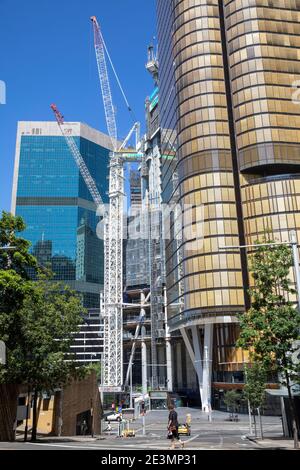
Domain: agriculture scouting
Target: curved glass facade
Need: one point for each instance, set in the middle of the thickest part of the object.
(263, 41)
(195, 132)
(271, 204)
(229, 76)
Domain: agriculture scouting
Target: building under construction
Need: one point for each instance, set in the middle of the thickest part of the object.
(119, 257)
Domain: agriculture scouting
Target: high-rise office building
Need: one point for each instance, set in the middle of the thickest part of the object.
(230, 135)
(175, 370)
(51, 196)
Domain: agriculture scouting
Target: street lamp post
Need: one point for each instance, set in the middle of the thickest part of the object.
(131, 394)
(207, 368)
(249, 409)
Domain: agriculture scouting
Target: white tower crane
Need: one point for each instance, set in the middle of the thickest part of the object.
(113, 234)
(113, 243)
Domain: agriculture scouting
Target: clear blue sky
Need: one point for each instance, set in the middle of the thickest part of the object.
(47, 55)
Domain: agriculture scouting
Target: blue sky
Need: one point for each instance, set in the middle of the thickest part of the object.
(47, 55)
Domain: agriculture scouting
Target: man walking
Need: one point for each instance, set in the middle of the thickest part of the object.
(173, 427)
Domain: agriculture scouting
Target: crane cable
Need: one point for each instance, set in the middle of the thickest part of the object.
(117, 78)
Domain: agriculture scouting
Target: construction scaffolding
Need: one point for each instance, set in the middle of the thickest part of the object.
(156, 262)
(113, 279)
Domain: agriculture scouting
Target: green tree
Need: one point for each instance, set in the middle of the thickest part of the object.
(37, 320)
(254, 390)
(232, 400)
(270, 328)
(18, 259)
(95, 367)
(38, 338)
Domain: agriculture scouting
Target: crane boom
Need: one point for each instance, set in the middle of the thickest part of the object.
(104, 82)
(135, 128)
(84, 171)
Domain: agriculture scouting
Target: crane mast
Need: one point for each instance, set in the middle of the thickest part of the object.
(113, 255)
(113, 240)
(113, 280)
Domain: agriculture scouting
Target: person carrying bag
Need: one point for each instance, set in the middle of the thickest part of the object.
(173, 427)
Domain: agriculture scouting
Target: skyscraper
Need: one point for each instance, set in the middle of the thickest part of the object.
(51, 196)
(230, 126)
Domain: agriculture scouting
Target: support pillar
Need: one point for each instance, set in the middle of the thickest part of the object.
(169, 365)
(168, 347)
(207, 367)
(178, 364)
(198, 359)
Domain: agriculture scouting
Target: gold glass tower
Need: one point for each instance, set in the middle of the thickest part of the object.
(230, 130)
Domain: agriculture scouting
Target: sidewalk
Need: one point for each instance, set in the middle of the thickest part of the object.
(48, 438)
(278, 443)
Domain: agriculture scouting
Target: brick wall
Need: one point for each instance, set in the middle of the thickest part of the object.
(78, 398)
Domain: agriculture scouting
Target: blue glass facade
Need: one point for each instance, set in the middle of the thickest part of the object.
(59, 212)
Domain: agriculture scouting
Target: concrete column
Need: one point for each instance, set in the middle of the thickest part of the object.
(188, 345)
(207, 367)
(161, 361)
(169, 365)
(178, 364)
(198, 359)
(168, 347)
(191, 374)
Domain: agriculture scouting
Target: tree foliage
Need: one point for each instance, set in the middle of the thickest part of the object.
(232, 400)
(18, 259)
(38, 336)
(270, 328)
(256, 378)
(37, 318)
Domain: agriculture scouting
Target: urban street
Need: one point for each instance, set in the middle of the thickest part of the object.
(219, 434)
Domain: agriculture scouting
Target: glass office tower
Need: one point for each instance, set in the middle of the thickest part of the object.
(228, 76)
(51, 196)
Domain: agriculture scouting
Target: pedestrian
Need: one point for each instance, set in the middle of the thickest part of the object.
(84, 427)
(173, 427)
(109, 428)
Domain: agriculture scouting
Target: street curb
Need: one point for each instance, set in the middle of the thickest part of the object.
(251, 439)
(262, 446)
